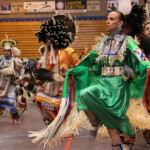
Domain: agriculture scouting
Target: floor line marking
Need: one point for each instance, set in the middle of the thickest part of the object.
(68, 143)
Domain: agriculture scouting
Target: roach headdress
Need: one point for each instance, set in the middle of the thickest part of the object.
(60, 30)
(9, 44)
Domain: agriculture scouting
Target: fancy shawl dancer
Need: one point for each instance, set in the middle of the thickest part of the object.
(57, 34)
(118, 74)
(11, 71)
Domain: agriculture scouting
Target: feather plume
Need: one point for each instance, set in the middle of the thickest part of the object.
(6, 35)
(60, 30)
(147, 11)
(124, 6)
(51, 135)
(16, 51)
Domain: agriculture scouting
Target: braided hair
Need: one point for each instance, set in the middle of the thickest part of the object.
(60, 30)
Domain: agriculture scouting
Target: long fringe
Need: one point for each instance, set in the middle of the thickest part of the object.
(71, 126)
(50, 134)
(57, 130)
(75, 121)
(138, 114)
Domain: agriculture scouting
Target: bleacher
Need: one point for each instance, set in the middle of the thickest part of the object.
(24, 34)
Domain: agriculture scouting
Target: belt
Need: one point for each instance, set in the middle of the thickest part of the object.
(113, 71)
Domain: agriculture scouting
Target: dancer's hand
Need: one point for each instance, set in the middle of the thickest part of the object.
(20, 78)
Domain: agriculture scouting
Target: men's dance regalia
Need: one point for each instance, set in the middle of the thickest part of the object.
(58, 57)
(49, 97)
(11, 70)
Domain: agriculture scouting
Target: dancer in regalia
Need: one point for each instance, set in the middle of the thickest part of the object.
(117, 63)
(11, 72)
(57, 34)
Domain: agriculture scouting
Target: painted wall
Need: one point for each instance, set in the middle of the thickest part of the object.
(102, 12)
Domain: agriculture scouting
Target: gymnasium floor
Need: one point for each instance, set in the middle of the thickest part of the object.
(15, 136)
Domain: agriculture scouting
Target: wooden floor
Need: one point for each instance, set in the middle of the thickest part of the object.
(15, 136)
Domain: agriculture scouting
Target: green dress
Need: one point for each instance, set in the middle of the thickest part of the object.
(106, 90)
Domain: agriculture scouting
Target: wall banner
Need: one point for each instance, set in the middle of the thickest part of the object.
(39, 7)
(5, 8)
(113, 5)
(17, 7)
(93, 5)
(71, 6)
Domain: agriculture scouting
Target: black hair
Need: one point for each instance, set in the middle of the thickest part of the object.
(122, 17)
(135, 20)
